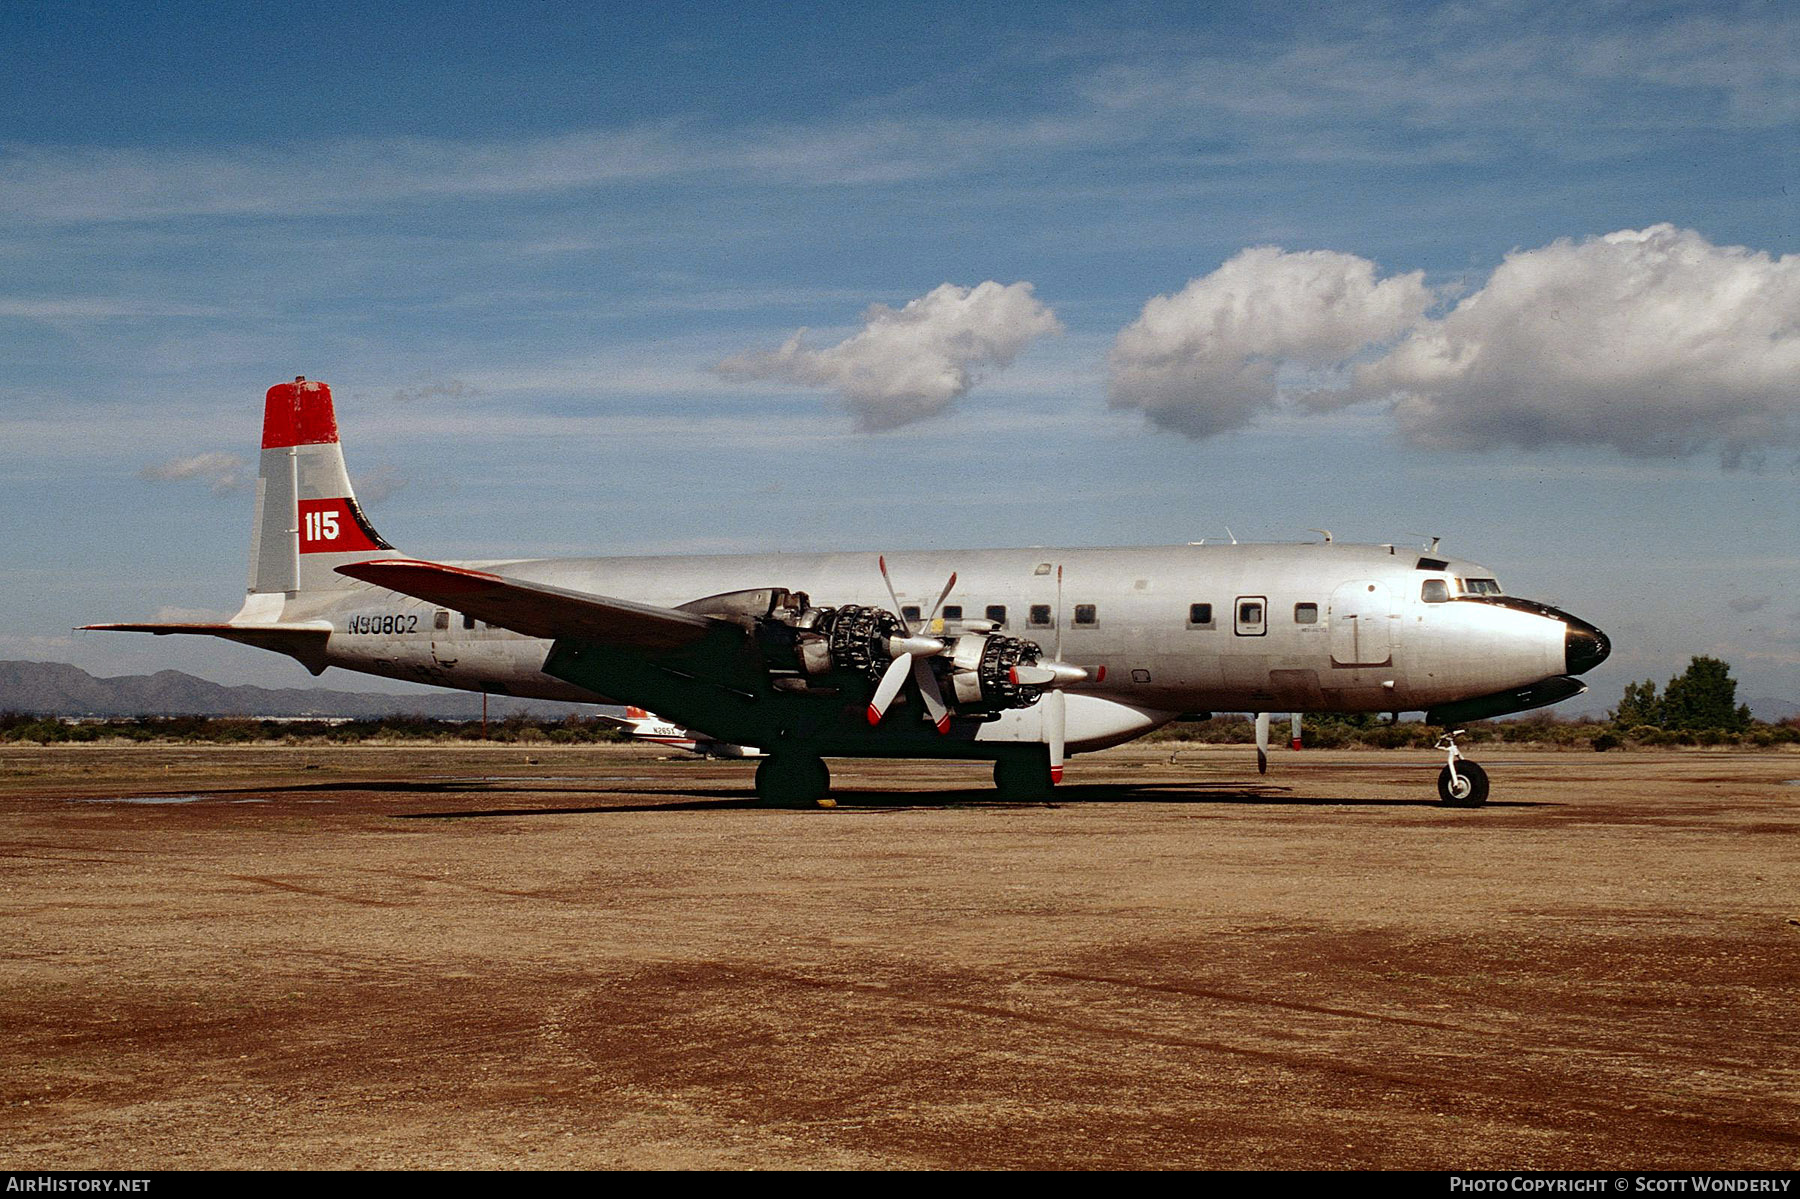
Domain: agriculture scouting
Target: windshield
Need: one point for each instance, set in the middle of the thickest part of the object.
(1479, 586)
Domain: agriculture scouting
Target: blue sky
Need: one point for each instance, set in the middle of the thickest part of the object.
(1517, 275)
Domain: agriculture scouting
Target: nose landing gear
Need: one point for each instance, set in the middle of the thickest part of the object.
(1461, 783)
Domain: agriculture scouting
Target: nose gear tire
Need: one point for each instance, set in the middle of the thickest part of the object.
(1468, 790)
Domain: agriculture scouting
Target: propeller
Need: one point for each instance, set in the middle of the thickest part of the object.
(1262, 743)
(910, 653)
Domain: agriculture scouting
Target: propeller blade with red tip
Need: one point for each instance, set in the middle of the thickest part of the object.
(889, 687)
(881, 561)
(1056, 725)
(935, 708)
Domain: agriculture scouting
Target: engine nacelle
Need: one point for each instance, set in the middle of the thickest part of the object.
(850, 638)
(980, 672)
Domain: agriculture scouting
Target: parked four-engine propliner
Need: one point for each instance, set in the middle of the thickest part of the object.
(1136, 636)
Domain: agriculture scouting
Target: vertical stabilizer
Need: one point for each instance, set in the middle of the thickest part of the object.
(307, 522)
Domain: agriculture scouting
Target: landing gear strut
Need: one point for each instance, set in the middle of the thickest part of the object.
(792, 778)
(1461, 783)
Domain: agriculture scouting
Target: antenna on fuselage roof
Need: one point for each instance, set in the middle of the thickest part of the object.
(1230, 534)
(1325, 532)
(1434, 541)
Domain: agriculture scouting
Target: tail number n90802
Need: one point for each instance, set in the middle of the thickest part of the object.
(383, 625)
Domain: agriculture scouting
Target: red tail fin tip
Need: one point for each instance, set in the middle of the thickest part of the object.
(298, 413)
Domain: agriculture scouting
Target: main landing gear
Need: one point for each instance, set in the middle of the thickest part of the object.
(1025, 776)
(792, 778)
(1461, 783)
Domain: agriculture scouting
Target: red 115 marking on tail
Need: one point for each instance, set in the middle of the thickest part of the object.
(327, 526)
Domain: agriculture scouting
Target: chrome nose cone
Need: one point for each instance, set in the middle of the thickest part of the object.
(1584, 646)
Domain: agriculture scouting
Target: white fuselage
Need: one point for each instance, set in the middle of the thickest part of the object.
(1318, 627)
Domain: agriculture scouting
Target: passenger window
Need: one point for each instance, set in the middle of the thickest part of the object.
(1306, 614)
(1040, 616)
(1086, 614)
(910, 612)
(1200, 616)
(1435, 591)
(468, 621)
(440, 619)
(997, 613)
(952, 611)
(1252, 616)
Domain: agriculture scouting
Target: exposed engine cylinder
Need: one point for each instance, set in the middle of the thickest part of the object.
(813, 649)
(850, 638)
(981, 672)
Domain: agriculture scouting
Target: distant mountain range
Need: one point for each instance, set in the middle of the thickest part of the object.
(1772, 710)
(59, 689)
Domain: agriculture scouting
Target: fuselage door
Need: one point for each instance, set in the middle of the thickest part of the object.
(1362, 624)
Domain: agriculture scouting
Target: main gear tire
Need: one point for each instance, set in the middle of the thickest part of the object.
(1024, 777)
(785, 780)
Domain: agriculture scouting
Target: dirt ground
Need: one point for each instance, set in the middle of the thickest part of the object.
(593, 957)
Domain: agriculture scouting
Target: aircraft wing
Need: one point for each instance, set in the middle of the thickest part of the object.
(537, 609)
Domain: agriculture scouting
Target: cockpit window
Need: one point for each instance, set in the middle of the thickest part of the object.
(1435, 591)
(1480, 586)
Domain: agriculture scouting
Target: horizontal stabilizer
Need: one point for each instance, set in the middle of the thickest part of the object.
(303, 641)
(536, 609)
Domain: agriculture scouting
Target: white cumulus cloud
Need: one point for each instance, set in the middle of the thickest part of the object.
(1650, 341)
(219, 471)
(909, 363)
(1205, 359)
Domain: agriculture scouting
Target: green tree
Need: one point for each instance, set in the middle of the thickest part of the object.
(1703, 697)
(1639, 707)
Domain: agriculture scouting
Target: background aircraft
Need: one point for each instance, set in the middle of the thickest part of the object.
(648, 726)
(1018, 656)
